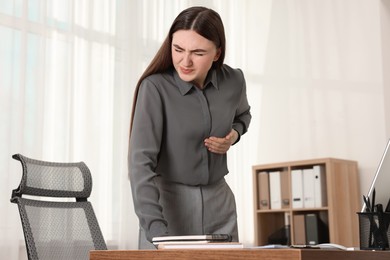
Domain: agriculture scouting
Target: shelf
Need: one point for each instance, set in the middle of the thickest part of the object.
(291, 210)
(338, 212)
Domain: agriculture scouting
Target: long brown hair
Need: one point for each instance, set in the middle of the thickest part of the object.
(204, 21)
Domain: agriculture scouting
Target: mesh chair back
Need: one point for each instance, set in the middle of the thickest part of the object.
(54, 228)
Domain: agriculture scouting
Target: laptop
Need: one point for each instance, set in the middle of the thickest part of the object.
(381, 181)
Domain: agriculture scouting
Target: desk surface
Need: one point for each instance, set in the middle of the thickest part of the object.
(240, 254)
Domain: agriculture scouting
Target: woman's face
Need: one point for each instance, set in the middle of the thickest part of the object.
(192, 56)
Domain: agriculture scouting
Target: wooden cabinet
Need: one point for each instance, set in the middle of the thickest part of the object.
(338, 212)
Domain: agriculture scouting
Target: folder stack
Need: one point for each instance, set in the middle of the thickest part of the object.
(279, 190)
(309, 187)
(309, 229)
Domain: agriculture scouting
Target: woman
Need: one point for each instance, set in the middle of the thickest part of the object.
(188, 109)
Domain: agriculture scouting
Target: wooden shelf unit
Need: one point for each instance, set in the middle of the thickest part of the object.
(343, 201)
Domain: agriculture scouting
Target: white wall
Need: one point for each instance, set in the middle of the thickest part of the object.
(317, 83)
(385, 36)
(323, 86)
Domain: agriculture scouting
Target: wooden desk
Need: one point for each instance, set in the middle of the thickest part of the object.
(240, 254)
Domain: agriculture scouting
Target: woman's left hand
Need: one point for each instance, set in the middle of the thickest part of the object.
(221, 145)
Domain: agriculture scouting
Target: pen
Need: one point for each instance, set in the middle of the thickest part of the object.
(388, 206)
(367, 203)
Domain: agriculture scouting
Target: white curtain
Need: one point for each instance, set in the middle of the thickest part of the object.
(68, 69)
(66, 93)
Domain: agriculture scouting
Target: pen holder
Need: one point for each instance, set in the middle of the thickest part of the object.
(374, 230)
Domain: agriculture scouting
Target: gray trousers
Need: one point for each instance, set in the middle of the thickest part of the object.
(195, 210)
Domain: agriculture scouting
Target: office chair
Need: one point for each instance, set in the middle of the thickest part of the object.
(58, 221)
